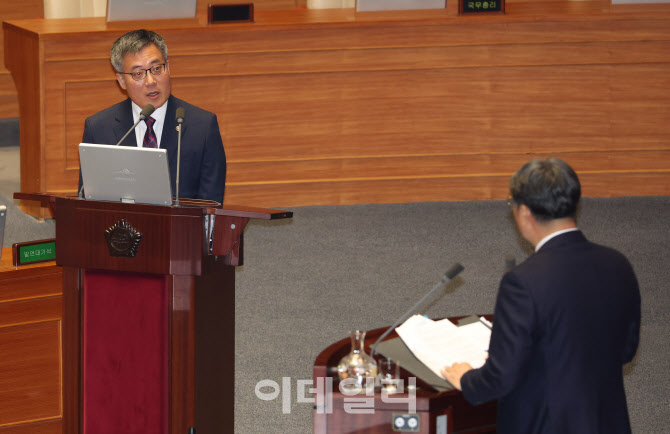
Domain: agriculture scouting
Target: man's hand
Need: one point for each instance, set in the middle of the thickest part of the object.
(454, 373)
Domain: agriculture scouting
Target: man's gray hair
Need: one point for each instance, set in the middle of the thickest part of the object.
(134, 41)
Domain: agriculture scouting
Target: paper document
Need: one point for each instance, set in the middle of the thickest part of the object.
(441, 343)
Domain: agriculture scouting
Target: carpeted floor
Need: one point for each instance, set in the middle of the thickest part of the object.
(306, 283)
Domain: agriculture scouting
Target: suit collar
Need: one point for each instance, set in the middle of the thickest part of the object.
(124, 121)
(563, 239)
(552, 235)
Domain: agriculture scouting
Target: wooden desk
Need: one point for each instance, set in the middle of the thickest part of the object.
(461, 417)
(321, 107)
(30, 335)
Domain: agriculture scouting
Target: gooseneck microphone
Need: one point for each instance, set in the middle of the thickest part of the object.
(146, 112)
(181, 112)
(449, 275)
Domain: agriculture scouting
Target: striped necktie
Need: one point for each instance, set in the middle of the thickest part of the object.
(150, 139)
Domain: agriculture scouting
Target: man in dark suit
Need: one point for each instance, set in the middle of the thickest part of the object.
(143, 71)
(565, 320)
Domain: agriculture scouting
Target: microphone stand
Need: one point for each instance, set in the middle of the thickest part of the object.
(130, 130)
(450, 274)
(180, 119)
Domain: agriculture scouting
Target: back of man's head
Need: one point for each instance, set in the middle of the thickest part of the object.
(133, 42)
(549, 188)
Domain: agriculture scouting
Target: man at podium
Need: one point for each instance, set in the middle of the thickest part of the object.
(565, 320)
(140, 58)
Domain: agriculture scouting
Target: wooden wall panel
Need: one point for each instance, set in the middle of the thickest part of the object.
(484, 187)
(472, 103)
(436, 166)
(29, 285)
(35, 8)
(30, 337)
(310, 103)
(11, 10)
(30, 372)
(54, 426)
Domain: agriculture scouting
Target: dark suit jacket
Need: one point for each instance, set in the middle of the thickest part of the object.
(565, 322)
(203, 160)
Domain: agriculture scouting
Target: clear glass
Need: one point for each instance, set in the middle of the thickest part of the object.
(357, 365)
(389, 375)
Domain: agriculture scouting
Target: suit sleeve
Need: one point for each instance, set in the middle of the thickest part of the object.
(633, 331)
(510, 347)
(87, 138)
(213, 170)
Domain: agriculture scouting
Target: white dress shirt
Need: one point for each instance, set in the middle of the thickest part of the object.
(141, 128)
(544, 240)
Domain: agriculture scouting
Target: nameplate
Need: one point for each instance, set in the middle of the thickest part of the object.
(238, 13)
(32, 252)
(471, 7)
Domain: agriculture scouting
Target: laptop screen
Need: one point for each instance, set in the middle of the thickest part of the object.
(135, 10)
(125, 174)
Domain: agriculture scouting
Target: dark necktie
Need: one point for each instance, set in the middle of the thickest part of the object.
(150, 139)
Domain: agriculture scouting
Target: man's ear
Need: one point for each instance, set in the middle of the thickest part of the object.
(525, 219)
(122, 80)
(524, 211)
(528, 225)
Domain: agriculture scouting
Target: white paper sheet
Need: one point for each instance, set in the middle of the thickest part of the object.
(441, 343)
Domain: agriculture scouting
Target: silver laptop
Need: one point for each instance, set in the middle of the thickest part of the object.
(133, 10)
(125, 174)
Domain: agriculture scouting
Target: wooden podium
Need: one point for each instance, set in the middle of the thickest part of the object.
(148, 314)
(436, 412)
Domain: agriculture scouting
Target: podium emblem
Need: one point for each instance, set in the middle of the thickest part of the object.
(123, 239)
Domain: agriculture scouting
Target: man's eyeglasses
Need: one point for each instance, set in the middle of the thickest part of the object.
(139, 74)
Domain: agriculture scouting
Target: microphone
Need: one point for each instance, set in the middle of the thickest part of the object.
(449, 275)
(510, 263)
(180, 115)
(181, 112)
(146, 111)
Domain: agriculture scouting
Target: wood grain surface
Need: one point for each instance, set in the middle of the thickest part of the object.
(30, 335)
(322, 107)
